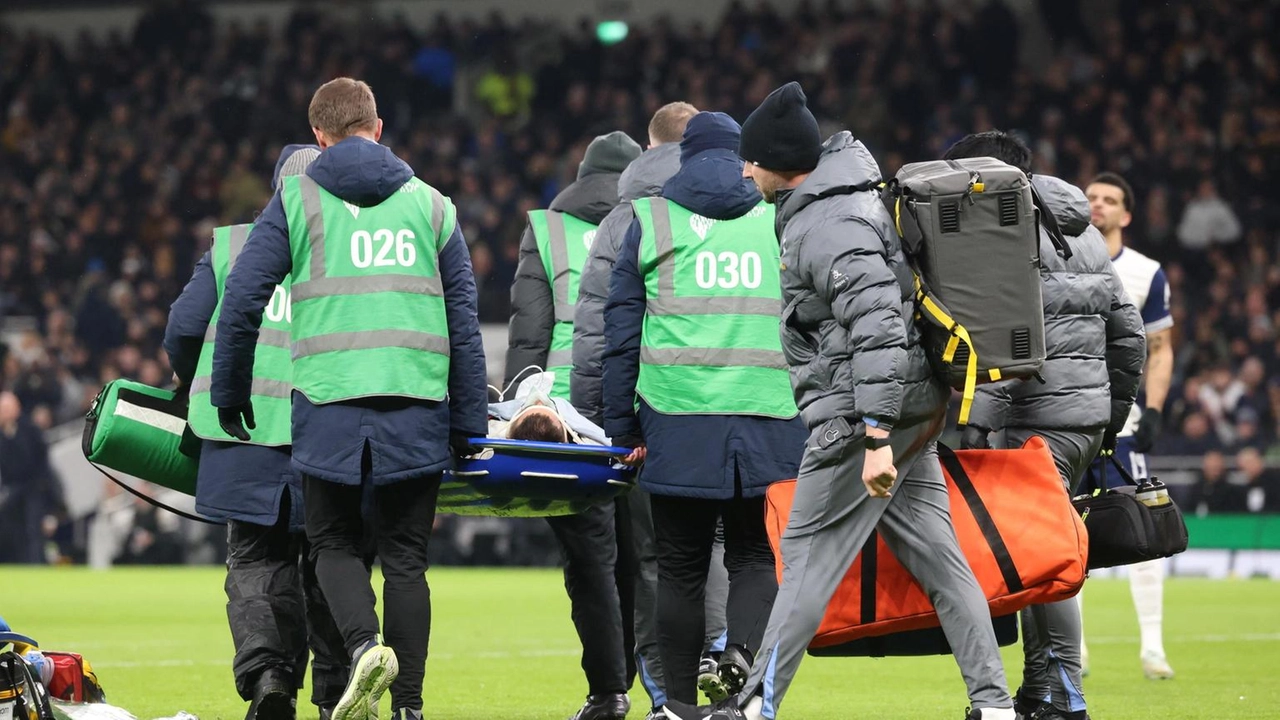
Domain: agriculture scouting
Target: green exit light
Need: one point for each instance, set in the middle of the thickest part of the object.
(611, 32)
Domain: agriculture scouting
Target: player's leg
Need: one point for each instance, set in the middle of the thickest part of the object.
(1146, 584)
(918, 529)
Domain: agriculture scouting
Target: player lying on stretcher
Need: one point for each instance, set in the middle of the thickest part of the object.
(535, 415)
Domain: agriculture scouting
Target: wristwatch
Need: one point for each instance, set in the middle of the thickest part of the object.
(875, 443)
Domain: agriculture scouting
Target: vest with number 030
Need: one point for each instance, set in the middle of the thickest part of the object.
(368, 301)
(710, 343)
(272, 369)
(563, 241)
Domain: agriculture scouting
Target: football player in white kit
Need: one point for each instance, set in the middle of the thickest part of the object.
(1111, 208)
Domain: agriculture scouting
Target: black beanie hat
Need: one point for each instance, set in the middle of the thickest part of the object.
(782, 134)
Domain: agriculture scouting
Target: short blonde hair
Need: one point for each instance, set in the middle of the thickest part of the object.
(343, 106)
(668, 123)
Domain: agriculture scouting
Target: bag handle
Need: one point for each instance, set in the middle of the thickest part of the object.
(1101, 483)
(1051, 224)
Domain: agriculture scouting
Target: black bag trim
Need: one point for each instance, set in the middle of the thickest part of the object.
(868, 579)
(1008, 570)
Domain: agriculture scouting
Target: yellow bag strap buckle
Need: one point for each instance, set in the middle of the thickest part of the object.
(958, 335)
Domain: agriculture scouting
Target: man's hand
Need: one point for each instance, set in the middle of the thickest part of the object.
(1108, 443)
(878, 472)
(1144, 438)
(975, 438)
(230, 418)
(637, 445)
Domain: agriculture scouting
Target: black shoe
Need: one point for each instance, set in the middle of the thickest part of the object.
(709, 681)
(326, 713)
(727, 710)
(1054, 714)
(1030, 708)
(735, 666)
(405, 714)
(656, 714)
(273, 697)
(613, 706)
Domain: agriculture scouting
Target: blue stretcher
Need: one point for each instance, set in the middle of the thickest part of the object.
(523, 478)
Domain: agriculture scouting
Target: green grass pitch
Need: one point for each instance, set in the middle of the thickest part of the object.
(502, 647)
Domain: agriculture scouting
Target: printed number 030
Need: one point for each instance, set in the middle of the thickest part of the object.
(728, 270)
(384, 241)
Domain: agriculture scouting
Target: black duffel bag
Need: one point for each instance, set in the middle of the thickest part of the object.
(1123, 529)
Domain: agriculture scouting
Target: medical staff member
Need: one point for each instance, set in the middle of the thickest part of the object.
(388, 375)
(695, 380)
(1094, 352)
(1111, 210)
(274, 603)
(596, 545)
(875, 409)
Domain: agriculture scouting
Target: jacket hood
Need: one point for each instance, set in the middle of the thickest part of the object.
(360, 171)
(1067, 202)
(845, 166)
(589, 198)
(712, 185)
(646, 175)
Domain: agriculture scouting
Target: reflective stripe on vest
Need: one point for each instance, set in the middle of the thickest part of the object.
(272, 388)
(368, 300)
(563, 242)
(710, 342)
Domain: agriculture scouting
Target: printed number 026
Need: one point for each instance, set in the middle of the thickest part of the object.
(363, 244)
(728, 270)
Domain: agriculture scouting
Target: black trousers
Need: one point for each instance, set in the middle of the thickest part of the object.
(276, 611)
(403, 514)
(598, 577)
(685, 531)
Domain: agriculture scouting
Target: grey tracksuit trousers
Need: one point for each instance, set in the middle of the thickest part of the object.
(1052, 633)
(832, 517)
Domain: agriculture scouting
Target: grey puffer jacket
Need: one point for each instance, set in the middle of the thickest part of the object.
(1094, 341)
(533, 312)
(846, 288)
(644, 177)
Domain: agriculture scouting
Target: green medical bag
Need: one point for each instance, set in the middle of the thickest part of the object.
(141, 431)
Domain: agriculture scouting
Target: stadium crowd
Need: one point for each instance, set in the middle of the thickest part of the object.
(119, 155)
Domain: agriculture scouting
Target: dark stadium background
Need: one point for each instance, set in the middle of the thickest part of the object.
(129, 130)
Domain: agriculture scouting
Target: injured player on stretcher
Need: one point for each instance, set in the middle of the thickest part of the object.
(535, 415)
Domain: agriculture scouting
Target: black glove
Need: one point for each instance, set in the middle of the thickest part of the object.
(1144, 438)
(460, 444)
(1108, 443)
(230, 420)
(975, 438)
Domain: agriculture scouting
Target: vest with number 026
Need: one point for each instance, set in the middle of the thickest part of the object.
(563, 241)
(710, 343)
(272, 368)
(368, 301)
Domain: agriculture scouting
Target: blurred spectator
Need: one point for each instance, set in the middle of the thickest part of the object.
(1261, 485)
(1207, 220)
(1214, 493)
(28, 490)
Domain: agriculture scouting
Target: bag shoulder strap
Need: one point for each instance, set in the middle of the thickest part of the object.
(1051, 224)
(991, 533)
(152, 501)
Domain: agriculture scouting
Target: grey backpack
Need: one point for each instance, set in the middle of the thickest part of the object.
(971, 231)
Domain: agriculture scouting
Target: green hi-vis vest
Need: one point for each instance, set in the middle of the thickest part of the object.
(272, 369)
(368, 302)
(563, 242)
(710, 343)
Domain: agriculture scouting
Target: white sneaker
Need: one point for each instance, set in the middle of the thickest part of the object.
(1156, 667)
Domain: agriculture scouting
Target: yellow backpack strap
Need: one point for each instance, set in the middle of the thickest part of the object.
(958, 335)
